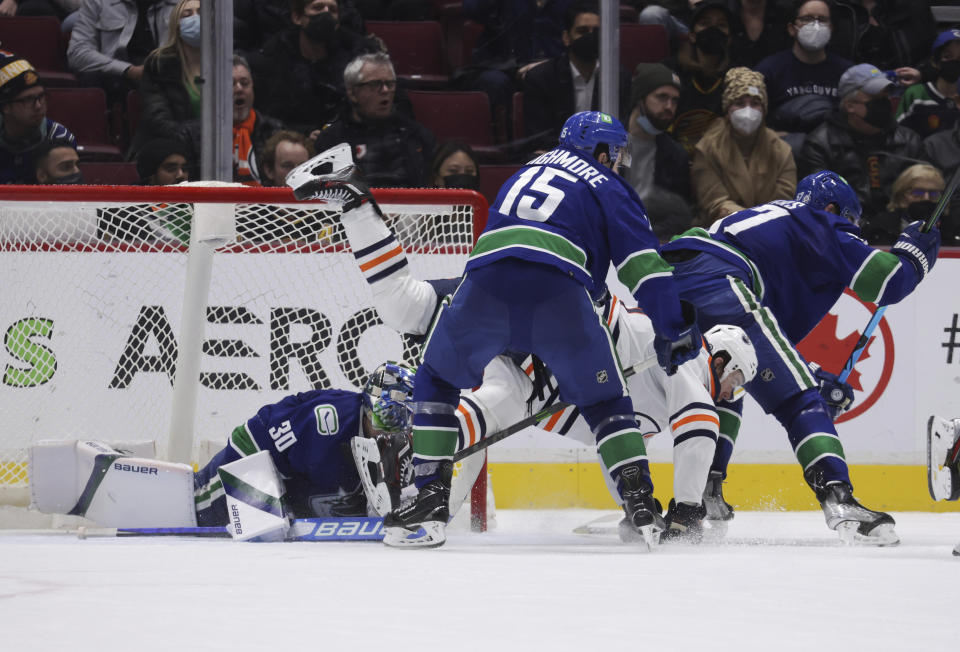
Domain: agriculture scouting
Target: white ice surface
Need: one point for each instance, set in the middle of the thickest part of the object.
(781, 582)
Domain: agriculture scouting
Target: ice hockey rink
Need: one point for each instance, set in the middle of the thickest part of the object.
(779, 581)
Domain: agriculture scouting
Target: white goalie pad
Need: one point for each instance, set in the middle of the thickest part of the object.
(943, 477)
(366, 455)
(104, 484)
(253, 491)
(332, 160)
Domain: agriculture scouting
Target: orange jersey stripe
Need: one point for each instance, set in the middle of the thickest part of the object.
(613, 307)
(379, 259)
(709, 418)
(469, 421)
(552, 421)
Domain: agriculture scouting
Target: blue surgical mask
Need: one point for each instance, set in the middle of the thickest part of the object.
(190, 30)
(647, 126)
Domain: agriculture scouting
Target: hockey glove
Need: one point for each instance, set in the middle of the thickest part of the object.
(837, 394)
(918, 247)
(673, 353)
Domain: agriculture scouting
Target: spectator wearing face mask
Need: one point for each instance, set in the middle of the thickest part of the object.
(659, 167)
(169, 88)
(739, 162)
(802, 80)
(454, 166)
(298, 73)
(913, 197)
(701, 62)
(862, 142)
(58, 163)
(934, 106)
(559, 87)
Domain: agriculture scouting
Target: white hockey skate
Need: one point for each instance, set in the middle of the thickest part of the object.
(943, 451)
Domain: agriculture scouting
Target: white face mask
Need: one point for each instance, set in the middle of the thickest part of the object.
(746, 120)
(813, 36)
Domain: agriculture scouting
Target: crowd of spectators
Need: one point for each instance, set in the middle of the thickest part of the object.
(751, 95)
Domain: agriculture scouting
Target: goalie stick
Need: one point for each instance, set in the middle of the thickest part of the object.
(878, 313)
(534, 419)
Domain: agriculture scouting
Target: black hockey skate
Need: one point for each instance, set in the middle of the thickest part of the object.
(642, 522)
(853, 522)
(422, 523)
(684, 522)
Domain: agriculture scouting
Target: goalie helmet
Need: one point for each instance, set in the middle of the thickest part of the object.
(820, 189)
(386, 397)
(587, 130)
(732, 344)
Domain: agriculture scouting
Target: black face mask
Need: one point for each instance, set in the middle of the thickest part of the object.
(921, 210)
(879, 113)
(321, 28)
(712, 41)
(950, 70)
(68, 179)
(587, 47)
(468, 181)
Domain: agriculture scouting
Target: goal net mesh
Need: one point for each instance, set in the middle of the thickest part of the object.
(95, 282)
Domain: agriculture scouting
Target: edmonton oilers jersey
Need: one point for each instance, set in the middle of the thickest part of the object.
(565, 210)
(798, 261)
(308, 437)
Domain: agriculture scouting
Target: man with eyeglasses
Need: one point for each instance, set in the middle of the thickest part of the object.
(802, 80)
(659, 166)
(23, 120)
(392, 149)
(862, 142)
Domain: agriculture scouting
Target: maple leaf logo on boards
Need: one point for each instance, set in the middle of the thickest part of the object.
(830, 350)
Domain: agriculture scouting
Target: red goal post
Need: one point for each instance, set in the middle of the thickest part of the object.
(246, 293)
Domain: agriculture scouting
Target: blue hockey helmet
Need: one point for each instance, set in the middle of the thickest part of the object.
(820, 189)
(386, 397)
(586, 130)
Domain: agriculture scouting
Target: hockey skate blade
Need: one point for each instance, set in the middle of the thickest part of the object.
(430, 534)
(714, 530)
(943, 481)
(647, 536)
(880, 536)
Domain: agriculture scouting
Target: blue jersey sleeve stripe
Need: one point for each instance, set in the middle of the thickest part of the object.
(373, 278)
(366, 251)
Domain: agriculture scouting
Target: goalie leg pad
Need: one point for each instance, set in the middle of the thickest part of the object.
(253, 499)
(943, 468)
(91, 479)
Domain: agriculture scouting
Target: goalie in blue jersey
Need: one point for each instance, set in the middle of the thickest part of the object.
(775, 270)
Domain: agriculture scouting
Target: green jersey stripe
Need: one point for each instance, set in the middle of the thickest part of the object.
(771, 329)
(208, 493)
(816, 446)
(530, 238)
(641, 266)
(434, 443)
(615, 449)
(243, 442)
(729, 424)
(871, 279)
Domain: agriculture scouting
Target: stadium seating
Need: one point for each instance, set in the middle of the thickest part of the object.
(109, 173)
(492, 177)
(38, 39)
(84, 112)
(417, 50)
(642, 44)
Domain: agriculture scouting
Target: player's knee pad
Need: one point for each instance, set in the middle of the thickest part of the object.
(253, 492)
(91, 479)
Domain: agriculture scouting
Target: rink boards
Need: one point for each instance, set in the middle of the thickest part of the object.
(910, 370)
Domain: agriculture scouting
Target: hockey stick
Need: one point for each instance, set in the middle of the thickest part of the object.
(329, 528)
(878, 313)
(534, 419)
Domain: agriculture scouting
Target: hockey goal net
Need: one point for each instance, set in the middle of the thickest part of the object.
(245, 293)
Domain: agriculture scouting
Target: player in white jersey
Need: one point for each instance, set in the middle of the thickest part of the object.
(681, 404)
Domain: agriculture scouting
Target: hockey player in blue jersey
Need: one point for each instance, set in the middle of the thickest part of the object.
(551, 235)
(308, 437)
(775, 270)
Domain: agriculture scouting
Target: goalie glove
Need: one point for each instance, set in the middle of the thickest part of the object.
(918, 248)
(837, 394)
